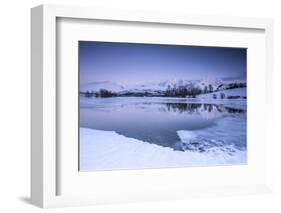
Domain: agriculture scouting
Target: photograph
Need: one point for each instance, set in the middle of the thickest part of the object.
(151, 106)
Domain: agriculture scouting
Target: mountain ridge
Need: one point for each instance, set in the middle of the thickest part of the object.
(157, 86)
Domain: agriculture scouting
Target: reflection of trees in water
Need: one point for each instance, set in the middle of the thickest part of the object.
(182, 107)
(196, 107)
(233, 110)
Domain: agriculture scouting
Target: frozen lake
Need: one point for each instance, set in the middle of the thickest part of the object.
(182, 125)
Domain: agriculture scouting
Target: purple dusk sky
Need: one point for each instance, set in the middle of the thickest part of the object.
(128, 63)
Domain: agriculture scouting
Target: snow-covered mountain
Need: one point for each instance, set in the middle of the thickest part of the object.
(156, 87)
(96, 86)
(215, 82)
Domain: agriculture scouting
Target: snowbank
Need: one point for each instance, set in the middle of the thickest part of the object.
(107, 150)
(242, 92)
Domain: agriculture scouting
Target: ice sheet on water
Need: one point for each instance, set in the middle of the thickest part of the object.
(220, 142)
(198, 143)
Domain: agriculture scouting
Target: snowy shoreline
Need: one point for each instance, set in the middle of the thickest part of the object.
(117, 101)
(108, 150)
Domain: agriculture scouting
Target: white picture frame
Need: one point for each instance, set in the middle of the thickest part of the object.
(45, 167)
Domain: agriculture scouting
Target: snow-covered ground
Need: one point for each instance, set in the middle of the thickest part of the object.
(107, 150)
(239, 103)
(242, 92)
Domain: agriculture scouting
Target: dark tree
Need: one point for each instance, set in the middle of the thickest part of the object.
(222, 95)
(89, 94)
(103, 93)
(211, 88)
(205, 89)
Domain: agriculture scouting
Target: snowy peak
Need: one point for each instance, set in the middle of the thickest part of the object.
(215, 82)
(96, 86)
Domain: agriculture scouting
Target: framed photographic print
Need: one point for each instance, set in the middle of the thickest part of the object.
(130, 106)
(158, 106)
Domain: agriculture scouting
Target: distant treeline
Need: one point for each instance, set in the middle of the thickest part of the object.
(232, 85)
(102, 93)
(184, 91)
